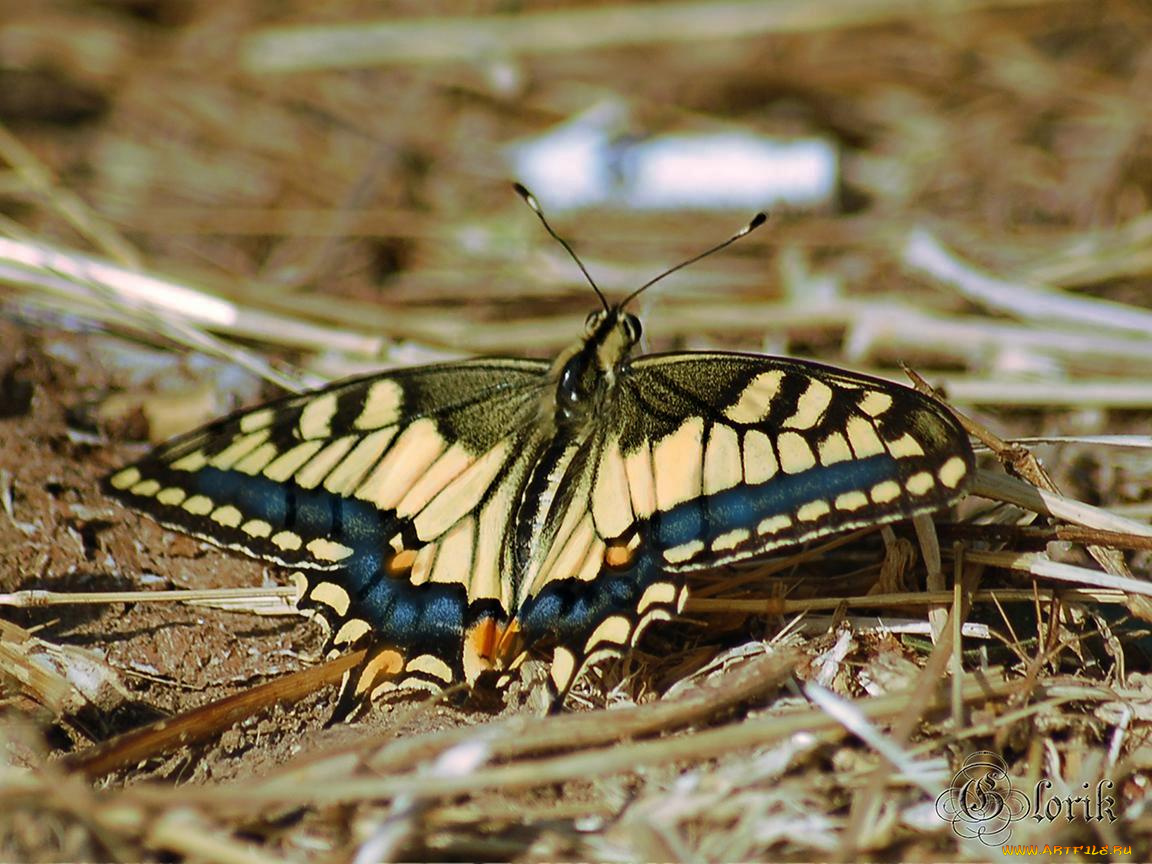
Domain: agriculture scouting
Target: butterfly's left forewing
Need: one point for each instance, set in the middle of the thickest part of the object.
(787, 452)
(707, 459)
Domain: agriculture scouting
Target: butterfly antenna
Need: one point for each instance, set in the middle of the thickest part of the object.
(757, 220)
(531, 201)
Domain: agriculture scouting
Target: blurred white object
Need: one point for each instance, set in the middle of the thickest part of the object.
(590, 161)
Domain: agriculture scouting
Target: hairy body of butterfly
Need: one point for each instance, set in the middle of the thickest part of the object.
(456, 516)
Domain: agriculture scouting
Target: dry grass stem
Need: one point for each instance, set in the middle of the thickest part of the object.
(447, 40)
(263, 599)
(924, 253)
(82, 284)
(625, 758)
(205, 723)
(780, 606)
(1000, 487)
(1043, 567)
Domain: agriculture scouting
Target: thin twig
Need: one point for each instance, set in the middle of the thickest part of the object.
(449, 40)
(925, 254)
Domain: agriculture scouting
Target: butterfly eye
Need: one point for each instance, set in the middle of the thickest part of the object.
(632, 328)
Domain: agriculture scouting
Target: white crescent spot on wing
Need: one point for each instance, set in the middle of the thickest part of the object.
(723, 463)
(813, 402)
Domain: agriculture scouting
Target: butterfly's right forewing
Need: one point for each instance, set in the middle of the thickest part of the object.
(391, 496)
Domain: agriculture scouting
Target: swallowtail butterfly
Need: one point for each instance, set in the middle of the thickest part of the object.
(455, 517)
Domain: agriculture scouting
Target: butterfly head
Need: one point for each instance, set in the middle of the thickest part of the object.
(610, 335)
(586, 372)
(612, 325)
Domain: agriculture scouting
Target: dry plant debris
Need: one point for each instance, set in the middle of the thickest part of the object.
(202, 203)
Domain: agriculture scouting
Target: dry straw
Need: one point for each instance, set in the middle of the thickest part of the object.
(998, 245)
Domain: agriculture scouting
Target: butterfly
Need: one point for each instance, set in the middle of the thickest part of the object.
(456, 518)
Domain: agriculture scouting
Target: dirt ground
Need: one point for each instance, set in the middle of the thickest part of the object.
(994, 170)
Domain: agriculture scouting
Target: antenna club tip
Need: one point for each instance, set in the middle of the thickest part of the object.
(758, 220)
(529, 199)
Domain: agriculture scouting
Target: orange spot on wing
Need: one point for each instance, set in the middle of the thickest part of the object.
(401, 563)
(510, 645)
(483, 636)
(617, 555)
(490, 644)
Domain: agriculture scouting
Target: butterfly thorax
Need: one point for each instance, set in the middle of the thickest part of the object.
(582, 381)
(585, 373)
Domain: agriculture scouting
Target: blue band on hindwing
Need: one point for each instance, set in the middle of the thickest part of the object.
(428, 617)
(567, 609)
(745, 506)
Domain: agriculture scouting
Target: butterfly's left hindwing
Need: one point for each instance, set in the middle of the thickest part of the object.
(707, 459)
